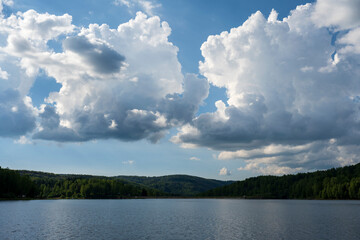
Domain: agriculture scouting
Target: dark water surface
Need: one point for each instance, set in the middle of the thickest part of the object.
(179, 219)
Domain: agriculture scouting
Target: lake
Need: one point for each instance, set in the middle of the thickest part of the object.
(179, 219)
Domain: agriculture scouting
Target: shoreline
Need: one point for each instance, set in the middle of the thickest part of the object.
(135, 198)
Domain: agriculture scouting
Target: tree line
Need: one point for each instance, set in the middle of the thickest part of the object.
(340, 183)
(92, 188)
(177, 185)
(14, 185)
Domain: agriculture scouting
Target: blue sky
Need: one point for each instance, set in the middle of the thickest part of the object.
(223, 90)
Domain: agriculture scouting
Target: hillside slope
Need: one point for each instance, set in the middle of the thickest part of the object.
(177, 185)
(171, 185)
(340, 183)
(50, 185)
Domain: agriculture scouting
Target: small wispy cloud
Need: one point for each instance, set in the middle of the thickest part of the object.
(224, 172)
(129, 162)
(269, 169)
(147, 6)
(3, 74)
(195, 159)
(23, 140)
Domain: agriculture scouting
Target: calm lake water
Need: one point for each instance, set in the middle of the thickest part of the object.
(179, 219)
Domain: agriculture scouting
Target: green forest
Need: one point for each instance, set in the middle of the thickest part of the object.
(13, 184)
(92, 188)
(177, 185)
(340, 183)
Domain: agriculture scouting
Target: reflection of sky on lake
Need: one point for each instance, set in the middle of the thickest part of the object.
(179, 219)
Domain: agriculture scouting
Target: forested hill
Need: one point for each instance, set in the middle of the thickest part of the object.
(173, 185)
(340, 183)
(30, 184)
(177, 185)
(50, 185)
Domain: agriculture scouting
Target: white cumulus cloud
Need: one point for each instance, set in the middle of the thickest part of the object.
(290, 90)
(123, 83)
(341, 14)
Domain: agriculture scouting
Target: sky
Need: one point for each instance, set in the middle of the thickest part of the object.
(217, 89)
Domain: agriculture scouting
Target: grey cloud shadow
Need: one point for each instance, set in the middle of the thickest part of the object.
(100, 56)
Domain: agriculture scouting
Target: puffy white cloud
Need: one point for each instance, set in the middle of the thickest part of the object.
(341, 14)
(102, 95)
(290, 90)
(351, 42)
(185, 130)
(123, 83)
(318, 155)
(224, 172)
(28, 32)
(16, 117)
(293, 93)
(23, 38)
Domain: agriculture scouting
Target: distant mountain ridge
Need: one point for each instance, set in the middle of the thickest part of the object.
(50, 185)
(177, 185)
(172, 185)
(339, 183)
